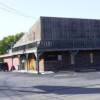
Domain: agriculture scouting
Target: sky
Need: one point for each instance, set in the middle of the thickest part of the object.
(11, 23)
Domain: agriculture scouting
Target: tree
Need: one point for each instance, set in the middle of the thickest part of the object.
(7, 42)
(18, 36)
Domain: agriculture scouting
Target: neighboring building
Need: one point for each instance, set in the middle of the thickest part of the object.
(13, 61)
(60, 44)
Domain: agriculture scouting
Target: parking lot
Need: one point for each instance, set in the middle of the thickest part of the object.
(58, 86)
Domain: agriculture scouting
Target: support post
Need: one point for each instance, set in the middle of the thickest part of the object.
(12, 64)
(26, 57)
(74, 53)
(37, 64)
(27, 61)
(19, 67)
(37, 54)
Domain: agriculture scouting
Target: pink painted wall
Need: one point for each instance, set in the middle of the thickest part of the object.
(9, 61)
(15, 62)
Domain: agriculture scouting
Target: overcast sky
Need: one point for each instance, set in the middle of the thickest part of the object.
(11, 23)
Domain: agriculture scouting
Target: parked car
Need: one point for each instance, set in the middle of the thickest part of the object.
(4, 66)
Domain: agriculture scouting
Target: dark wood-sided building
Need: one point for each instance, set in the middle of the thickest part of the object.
(60, 44)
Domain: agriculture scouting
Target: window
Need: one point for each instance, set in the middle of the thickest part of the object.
(59, 57)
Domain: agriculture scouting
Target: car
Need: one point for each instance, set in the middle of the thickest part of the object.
(4, 66)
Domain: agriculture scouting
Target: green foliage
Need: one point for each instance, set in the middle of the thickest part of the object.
(18, 36)
(1, 60)
(7, 42)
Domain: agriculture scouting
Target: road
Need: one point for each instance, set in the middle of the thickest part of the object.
(70, 86)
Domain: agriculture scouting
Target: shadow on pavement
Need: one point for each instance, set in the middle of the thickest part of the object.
(59, 90)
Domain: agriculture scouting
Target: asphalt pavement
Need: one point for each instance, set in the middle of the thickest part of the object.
(57, 86)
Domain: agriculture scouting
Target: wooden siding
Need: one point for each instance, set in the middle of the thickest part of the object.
(69, 28)
(71, 44)
(53, 65)
(61, 34)
(28, 64)
(31, 62)
(82, 61)
(96, 58)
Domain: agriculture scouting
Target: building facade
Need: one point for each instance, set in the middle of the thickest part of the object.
(60, 44)
(12, 61)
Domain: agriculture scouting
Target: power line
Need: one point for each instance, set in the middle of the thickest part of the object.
(13, 11)
(8, 11)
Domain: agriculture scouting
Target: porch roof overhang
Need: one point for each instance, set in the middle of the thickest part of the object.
(24, 51)
(6, 55)
(69, 44)
(26, 48)
(61, 45)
